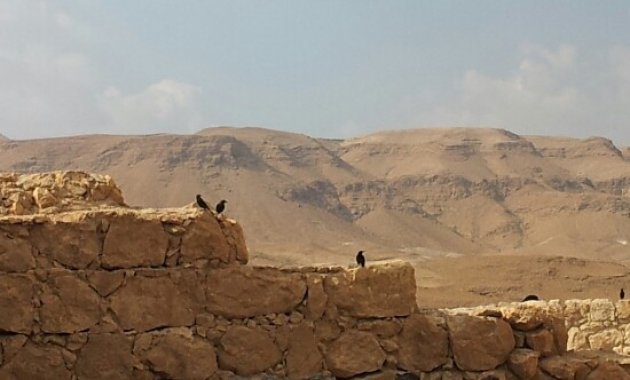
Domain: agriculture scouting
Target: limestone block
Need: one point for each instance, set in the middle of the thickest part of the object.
(182, 356)
(606, 340)
(526, 316)
(542, 341)
(377, 291)
(608, 371)
(68, 305)
(563, 367)
(576, 312)
(317, 298)
(16, 303)
(480, 343)
(577, 340)
(353, 353)
(16, 252)
(106, 357)
(602, 310)
(524, 363)
(134, 242)
(204, 239)
(622, 309)
(146, 303)
(247, 351)
(36, 362)
(303, 359)
(423, 343)
(74, 243)
(239, 292)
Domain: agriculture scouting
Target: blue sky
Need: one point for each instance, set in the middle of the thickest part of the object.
(324, 68)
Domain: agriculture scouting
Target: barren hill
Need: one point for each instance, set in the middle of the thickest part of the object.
(413, 194)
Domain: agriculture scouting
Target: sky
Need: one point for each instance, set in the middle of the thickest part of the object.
(326, 68)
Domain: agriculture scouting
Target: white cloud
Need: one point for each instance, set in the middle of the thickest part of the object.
(165, 106)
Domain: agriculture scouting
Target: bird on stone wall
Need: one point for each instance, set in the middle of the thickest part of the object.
(360, 259)
(220, 206)
(201, 203)
(622, 294)
(531, 297)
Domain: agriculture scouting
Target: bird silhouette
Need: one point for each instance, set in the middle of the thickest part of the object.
(360, 259)
(622, 294)
(220, 206)
(531, 297)
(201, 203)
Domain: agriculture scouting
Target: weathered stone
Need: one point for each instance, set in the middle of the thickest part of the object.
(36, 362)
(560, 334)
(16, 294)
(204, 239)
(541, 341)
(68, 305)
(523, 363)
(563, 367)
(181, 356)
(247, 351)
(353, 353)
(608, 371)
(480, 343)
(106, 357)
(303, 357)
(602, 310)
(606, 340)
(73, 243)
(381, 327)
(379, 290)
(622, 311)
(16, 253)
(423, 343)
(168, 304)
(326, 330)
(134, 242)
(240, 292)
(317, 298)
(527, 316)
(10, 345)
(106, 282)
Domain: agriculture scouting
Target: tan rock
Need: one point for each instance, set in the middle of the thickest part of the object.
(353, 353)
(16, 253)
(106, 357)
(479, 343)
(10, 345)
(563, 367)
(606, 339)
(542, 341)
(608, 371)
(16, 295)
(105, 282)
(524, 363)
(423, 343)
(303, 359)
(204, 239)
(382, 328)
(36, 362)
(134, 242)
(317, 298)
(327, 330)
(68, 305)
(247, 351)
(145, 303)
(74, 244)
(602, 310)
(240, 292)
(379, 290)
(181, 356)
(235, 239)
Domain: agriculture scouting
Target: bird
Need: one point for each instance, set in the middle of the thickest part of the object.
(622, 294)
(360, 259)
(201, 203)
(531, 297)
(220, 206)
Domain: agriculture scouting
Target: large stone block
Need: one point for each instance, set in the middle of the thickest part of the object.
(247, 351)
(423, 343)
(240, 292)
(304, 359)
(106, 357)
(524, 363)
(36, 362)
(353, 353)
(16, 303)
(68, 305)
(146, 303)
(378, 291)
(480, 343)
(132, 241)
(16, 252)
(204, 239)
(74, 242)
(563, 367)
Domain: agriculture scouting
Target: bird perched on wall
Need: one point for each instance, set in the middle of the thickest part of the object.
(201, 203)
(220, 206)
(622, 294)
(360, 259)
(531, 297)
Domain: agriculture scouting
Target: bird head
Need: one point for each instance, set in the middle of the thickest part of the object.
(360, 252)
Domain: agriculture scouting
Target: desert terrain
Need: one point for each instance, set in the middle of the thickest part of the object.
(484, 215)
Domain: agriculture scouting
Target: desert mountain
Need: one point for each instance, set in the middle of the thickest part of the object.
(412, 194)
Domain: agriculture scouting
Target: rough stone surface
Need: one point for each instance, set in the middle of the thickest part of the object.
(16, 294)
(133, 242)
(353, 353)
(247, 351)
(105, 282)
(423, 343)
(240, 292)
(303, 359)
(384, 290)
(608, 371)
(106, 357)
(524, 363)
(541, 340)
(480, 343)
(74, 243)
(204, 240)
(36, 362)
(562, 367)
(16, 252)
(317, 298)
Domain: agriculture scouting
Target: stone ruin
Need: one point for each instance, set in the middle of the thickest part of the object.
(93, 289)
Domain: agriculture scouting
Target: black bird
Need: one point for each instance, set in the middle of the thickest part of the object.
(622, 294)
(201, 203)
(361, 259)
(531, 297)
(221, 206)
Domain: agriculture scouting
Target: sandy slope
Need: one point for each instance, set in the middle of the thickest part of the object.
(449, 200)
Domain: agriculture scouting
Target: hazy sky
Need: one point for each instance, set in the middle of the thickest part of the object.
(324, 68)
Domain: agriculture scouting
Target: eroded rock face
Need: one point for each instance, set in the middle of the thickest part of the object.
(16, 295)
(385, 290)
(40, 362)
(133, 242)
(247, 351)
(480, 343)
(423, 343)
(244, 292)
(106, 357)
(205, 239)
(75, 244)
(524, 363)
(16, 252)
(304, 359)
(353, 353)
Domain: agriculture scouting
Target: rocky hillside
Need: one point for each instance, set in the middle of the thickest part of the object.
(411, 194)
